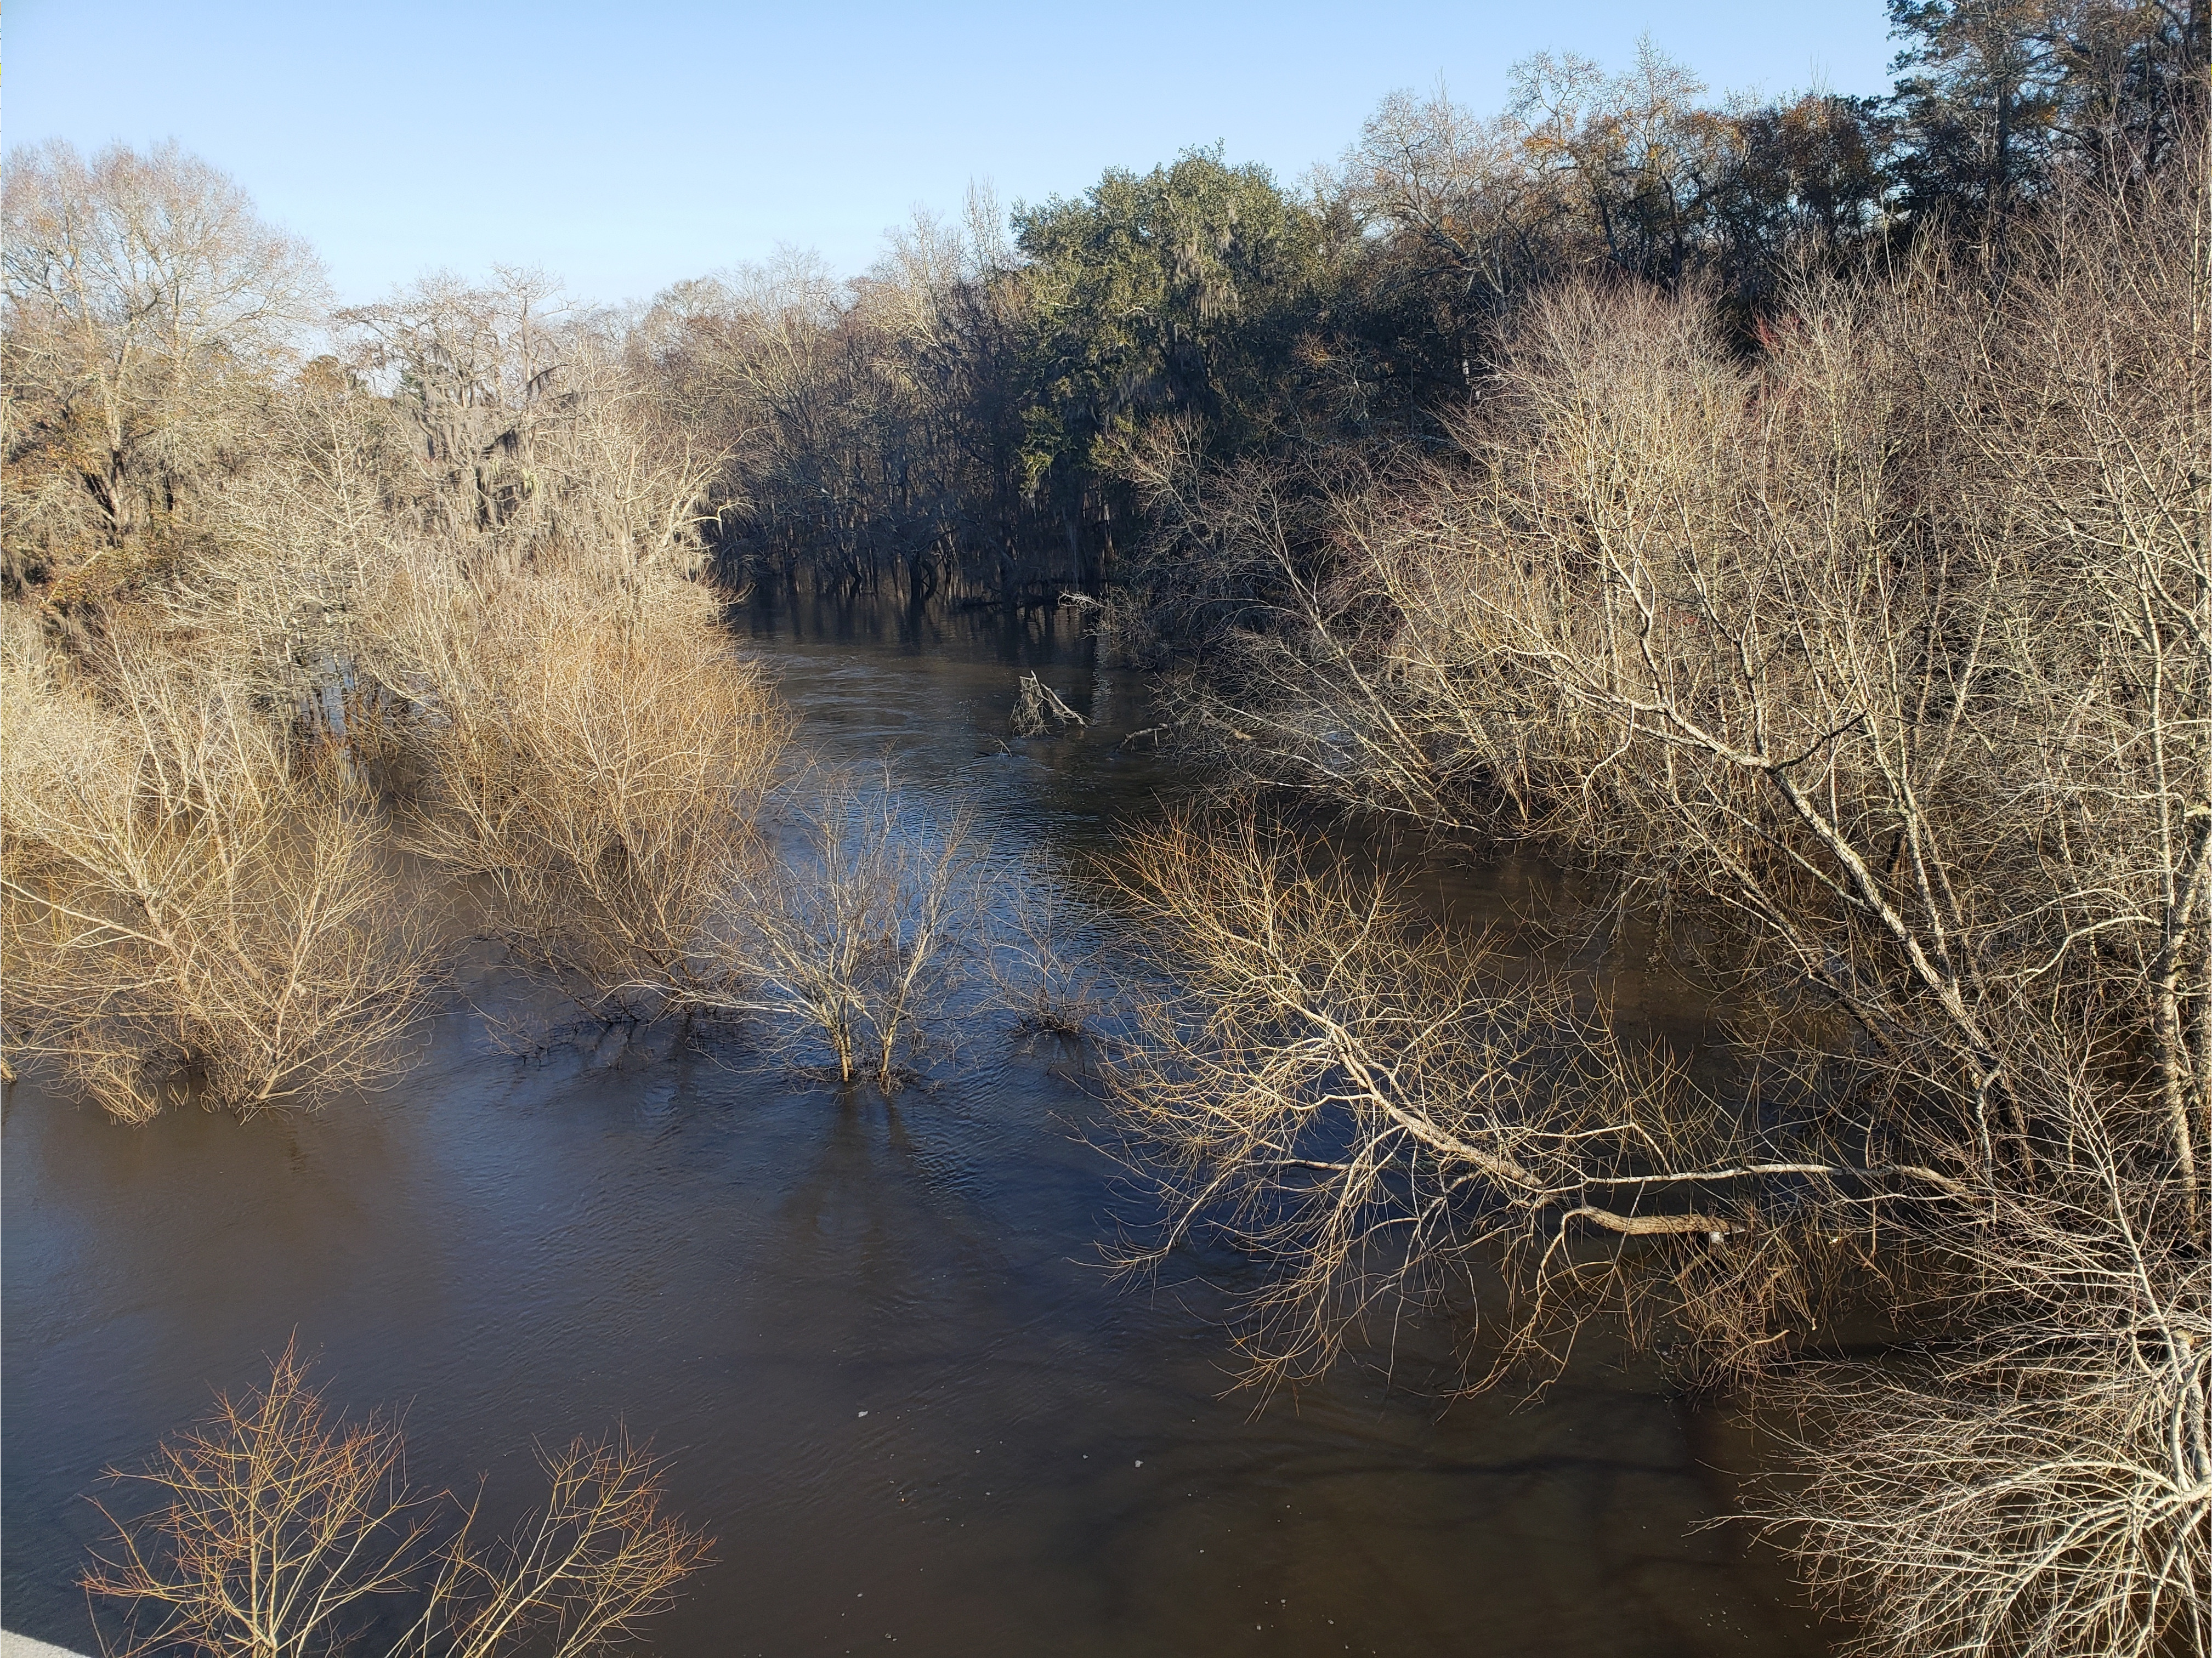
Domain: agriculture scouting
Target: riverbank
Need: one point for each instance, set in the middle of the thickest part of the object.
(740, 1265)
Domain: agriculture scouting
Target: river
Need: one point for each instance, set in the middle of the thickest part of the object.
(874, 1339)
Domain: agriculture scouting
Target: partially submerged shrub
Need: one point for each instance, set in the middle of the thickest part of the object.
(2039, 1481)
(1381, 1113)
(188, 900)
(857, 935)
(599, 755)
(1044, 970)
(276, 1527)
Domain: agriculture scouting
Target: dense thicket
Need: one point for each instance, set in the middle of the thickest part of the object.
(1855, 631)
(988, 413)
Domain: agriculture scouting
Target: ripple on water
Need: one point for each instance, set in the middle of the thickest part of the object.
(738, 1267)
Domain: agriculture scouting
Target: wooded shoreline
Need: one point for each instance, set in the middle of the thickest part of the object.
(1797, 517)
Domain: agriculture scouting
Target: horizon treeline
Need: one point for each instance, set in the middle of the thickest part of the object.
(992, 405)
(994, 410)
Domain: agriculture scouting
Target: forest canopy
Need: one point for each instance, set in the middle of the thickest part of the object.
(986, 409)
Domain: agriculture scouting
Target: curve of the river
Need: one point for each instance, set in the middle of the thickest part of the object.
(875, 1340)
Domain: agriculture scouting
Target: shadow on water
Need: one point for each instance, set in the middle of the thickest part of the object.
(873, 1337)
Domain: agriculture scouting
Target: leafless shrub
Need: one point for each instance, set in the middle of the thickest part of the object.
(2040, 1482)
(189, 901)
(293, 550)
(1384, 1113)
(598, 754)
(1040, 969)
(279, 1527)
(858, 937)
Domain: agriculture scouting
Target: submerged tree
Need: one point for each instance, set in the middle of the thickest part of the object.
(191, 903)
(278, 1528)
(857, 938)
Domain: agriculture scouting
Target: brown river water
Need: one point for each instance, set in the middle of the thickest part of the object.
(875, 1338)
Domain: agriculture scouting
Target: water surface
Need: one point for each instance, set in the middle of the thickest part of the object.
(873, 1336)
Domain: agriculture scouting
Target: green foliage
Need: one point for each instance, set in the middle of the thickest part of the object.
(1183, 291)
(1978, 99)
(1995, 97)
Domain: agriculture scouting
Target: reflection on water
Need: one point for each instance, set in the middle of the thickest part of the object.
(874, 1338)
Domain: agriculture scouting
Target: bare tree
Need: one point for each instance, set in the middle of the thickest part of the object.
(143, 297)
(188, 901)
(541, 424)
(1927, 731)
(280, 1529)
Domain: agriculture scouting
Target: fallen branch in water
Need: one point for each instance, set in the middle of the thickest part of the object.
(1036, 704)
(1452, 1120)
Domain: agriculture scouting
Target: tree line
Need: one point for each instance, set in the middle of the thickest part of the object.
(981, 407)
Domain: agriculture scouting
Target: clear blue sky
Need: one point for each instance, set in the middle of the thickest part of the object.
(625, 146)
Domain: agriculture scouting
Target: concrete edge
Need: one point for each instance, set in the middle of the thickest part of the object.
(12, 1645)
